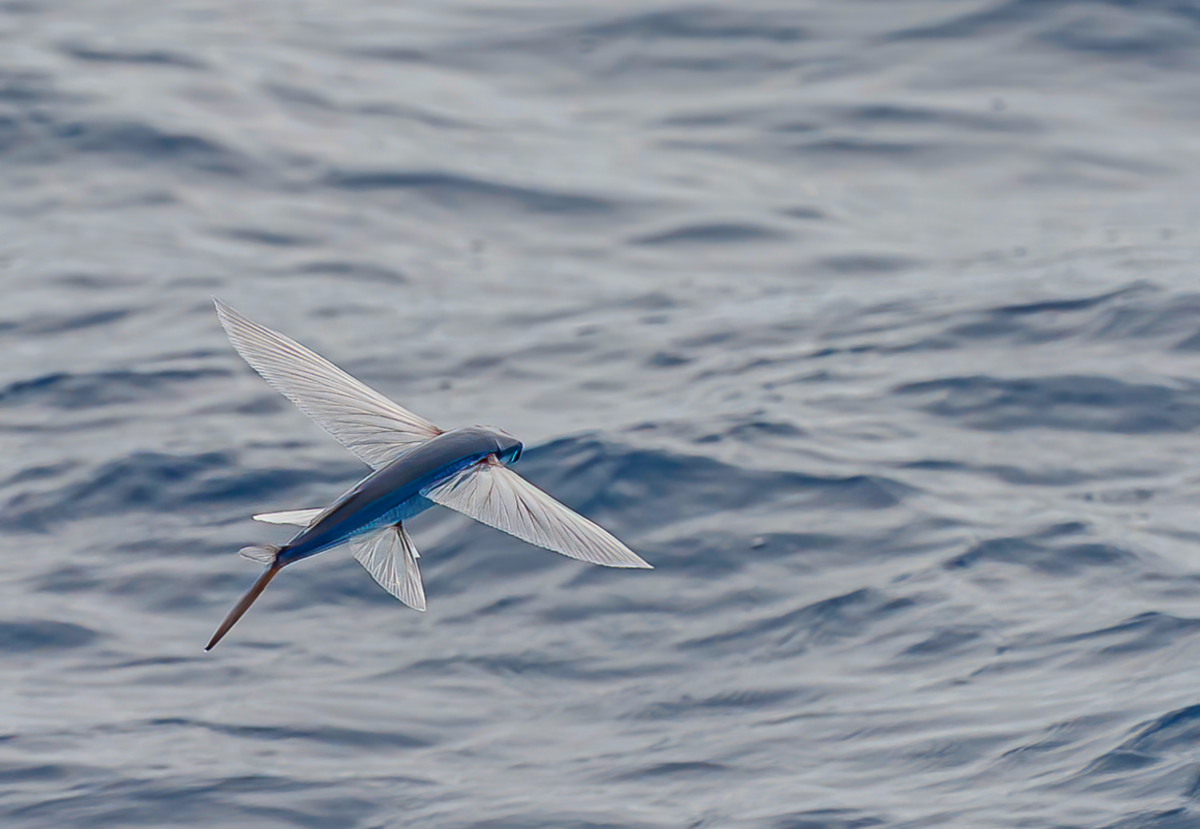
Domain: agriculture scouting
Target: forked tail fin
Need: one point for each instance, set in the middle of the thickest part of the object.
(262, 553)
(260, 584)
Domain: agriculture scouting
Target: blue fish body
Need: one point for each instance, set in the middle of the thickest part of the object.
(393, 494)
(417, 465)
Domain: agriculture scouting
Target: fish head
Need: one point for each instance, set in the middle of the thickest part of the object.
(508, 448)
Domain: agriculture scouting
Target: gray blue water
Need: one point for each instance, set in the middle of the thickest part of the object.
(875, 326)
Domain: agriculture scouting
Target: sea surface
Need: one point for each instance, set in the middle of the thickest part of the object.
(874, 326)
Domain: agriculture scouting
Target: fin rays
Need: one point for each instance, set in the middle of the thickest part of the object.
(493, 494)
(362, 419)
(299, 517)
(391, 558)
(262, 553)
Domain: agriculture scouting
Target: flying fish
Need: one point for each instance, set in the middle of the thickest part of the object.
(416, 465)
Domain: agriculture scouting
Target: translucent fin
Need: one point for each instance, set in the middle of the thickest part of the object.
(299, 517)
(262, 553)
(391, 558)
(366, 422)
(495, 495)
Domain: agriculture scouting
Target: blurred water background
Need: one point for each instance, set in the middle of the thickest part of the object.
(875, 326)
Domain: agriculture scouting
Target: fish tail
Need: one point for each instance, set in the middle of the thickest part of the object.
(260, 584)
(262, 553)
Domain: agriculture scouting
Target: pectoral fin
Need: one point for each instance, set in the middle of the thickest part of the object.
(367, 423)
(493, 494)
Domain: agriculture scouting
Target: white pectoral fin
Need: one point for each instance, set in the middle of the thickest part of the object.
(493, 494)
(299, 517)
(391, 558)
(366, 422)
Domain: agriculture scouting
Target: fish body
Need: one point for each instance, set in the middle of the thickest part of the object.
(392, 494)
(417, 465)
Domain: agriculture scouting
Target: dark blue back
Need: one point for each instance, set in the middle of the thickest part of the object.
(400, 481)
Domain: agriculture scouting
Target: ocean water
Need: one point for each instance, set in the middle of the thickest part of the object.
(874, 326)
